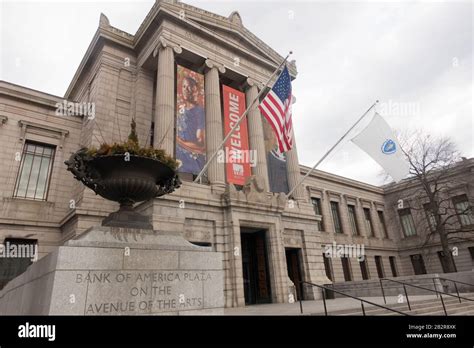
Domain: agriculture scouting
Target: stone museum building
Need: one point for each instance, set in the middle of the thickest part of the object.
(173, 76)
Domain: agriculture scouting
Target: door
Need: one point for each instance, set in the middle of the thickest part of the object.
(379, 266)
(393, 266)
(363, 269)
(418, 264)
(346, 268)
(294, 268)
(255, 267)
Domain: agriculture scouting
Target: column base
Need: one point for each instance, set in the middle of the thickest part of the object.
(218, 187)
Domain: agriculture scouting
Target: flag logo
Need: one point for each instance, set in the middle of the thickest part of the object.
(389, 147)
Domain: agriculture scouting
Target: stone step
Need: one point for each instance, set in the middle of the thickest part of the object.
(403, 307)
(458, 309)
(372, 310)
(420, 307)
(451, 310)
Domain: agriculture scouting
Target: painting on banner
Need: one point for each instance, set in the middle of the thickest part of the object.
(190, 121)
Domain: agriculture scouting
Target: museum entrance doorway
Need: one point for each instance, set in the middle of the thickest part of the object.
(255, 266)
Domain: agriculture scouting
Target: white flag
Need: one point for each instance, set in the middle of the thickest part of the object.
(379, 141)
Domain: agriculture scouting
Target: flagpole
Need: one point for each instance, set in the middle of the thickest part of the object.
(331, 149)
(203, 170)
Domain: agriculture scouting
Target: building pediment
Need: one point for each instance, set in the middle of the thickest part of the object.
(229, 29)
(226, 31)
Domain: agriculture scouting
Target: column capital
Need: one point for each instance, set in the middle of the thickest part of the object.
(250, 82)
(163, 43)
(209, 63)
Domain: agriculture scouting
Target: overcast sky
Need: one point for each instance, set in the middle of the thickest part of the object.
(415, 57)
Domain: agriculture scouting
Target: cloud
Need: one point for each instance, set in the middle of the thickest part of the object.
(348, 54)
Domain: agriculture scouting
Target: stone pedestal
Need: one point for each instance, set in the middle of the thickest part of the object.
(120, 271)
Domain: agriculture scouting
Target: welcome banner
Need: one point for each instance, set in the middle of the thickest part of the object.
(236, 147)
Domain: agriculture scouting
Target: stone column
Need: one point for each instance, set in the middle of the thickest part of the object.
(294, 173)
(256, 135)
(346, 225)
(328, 225)
(165, 98)
(214, 126)
(360, 217)
(375, 221)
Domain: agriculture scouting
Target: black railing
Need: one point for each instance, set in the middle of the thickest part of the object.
(343, 294)
(456, 282)
(440, 293)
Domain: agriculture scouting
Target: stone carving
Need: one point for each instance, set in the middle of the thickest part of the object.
(253, 184)
(254, 189)
(104, 21)
(235, 18)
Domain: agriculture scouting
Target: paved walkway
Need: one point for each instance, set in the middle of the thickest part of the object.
(315, 306)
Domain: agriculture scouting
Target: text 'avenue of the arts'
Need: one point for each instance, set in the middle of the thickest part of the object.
(143, 292)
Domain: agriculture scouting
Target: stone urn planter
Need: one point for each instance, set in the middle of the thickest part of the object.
(126, 174)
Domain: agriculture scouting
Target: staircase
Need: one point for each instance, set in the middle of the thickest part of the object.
(421, 307)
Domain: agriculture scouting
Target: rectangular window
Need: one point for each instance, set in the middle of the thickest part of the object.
(317, 210)
(346, 268)
(336, 218)
(328, 267)
(382, 223)
(379, 266)
(35, 171)
(407, 222)
(464, 210)
(353, 220)
(393, 265)
(418, 264)
(368, 222)
(364, 270)
(430, 217)
(471, 251)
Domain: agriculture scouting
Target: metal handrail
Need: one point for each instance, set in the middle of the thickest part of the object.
(455, 285)
(344, 294)
(420, 287)
(454, 281)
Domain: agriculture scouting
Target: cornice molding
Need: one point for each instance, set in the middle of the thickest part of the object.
(29, 95)
(25, 125)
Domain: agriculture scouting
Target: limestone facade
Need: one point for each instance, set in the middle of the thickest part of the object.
(129, 76)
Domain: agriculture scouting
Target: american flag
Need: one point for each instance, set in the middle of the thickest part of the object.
(276, 108)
